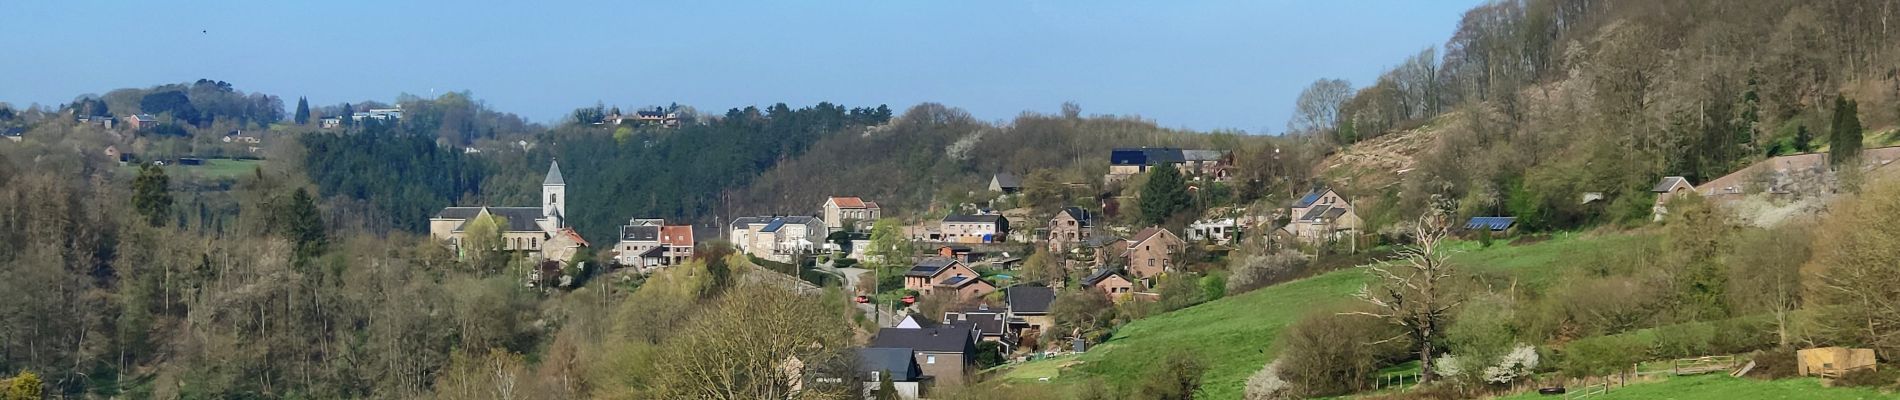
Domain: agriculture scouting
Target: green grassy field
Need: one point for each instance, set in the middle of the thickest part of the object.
(213, 169)
(1235, 335)
(1722, 387)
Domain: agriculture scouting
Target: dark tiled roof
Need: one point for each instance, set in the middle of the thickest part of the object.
(520, 219)
(1316, 212)
(1007, 180)
(1029, 299)
(458, 212)
(941, 339)
(646, 233)
(1080, 215)
(983, 218)
(987, 322)
(14, 132)
(897, 361)
(1334, 213)
(1098, 276)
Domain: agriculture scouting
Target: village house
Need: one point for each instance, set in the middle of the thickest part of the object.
(378, 114)
(14, 134)
(901, 365)
(102, 121)
(1070, 228)
(980, 228)
(943, 352)
(1124, 163)
(777, 238)
(563, 245)
(959, 253)
(966, 288)
(1217, 231)
(525, 228)
(140, 121)
(992, 324)
(1110, 283)
(841, 212)
(930, 272)
(656, 116)
(1322, 215)
(330, 122)
(1152, 252)
(240, 137)
(651, 243)
(1006, 183)
(1029, 310)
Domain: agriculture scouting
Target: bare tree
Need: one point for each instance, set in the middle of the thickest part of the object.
(1317, 109)
(1414, 295)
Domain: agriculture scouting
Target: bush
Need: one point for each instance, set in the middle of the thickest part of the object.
(1682, 340)
(1602, 355)
(1743, 335)
(1869, 378)
(1327, 354)
(1774, 364)
(1177, 378)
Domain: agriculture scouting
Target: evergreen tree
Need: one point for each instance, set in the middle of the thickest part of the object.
(1165, 194)
(303, 111)
(348, 115)
(1846, 135)
(1803, 139)
(151, 195)
(886, 388)
(304, 226)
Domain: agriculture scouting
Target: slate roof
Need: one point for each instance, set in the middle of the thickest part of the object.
(940, 339)
(983, 218)
(988, 322)
(14, 132)
(1080, 215)
(1029, 299)
(1316, 212)
(1008, 181)
(1145, 156)
(921, 320)
(1202, 155)
(554, 174)
(1334, 213)
(640, 233)
(1098, 276)
(1668, 182)
(897, 361)
(929, 267)
(954, 280)
(520, 219)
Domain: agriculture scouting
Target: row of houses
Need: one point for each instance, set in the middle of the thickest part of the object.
(922, 352)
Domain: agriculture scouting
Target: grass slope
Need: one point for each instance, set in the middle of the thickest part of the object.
(1235, 335)
(1723, 387)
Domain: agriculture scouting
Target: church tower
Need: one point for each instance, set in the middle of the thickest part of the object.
(554, 196)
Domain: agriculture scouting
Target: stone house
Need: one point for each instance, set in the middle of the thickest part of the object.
(1070, 228)
(942, 352)
(1110, 283)
(1124, 163)
(840, 212)
(980, 228)
(1029, 309)
(777, 238)
(1152, 252)
(1322, 215)
(648, 243)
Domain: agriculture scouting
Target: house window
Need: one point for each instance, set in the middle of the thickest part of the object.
(875, 377)
(930, 359)
(1151, 262)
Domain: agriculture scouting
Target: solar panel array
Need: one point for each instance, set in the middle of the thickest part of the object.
(1492, 223)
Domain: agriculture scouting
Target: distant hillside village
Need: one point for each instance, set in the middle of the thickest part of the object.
(945, 288)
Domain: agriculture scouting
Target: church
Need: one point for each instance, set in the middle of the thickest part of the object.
(540, 230)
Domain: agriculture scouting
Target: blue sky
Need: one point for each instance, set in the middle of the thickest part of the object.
(1199, 65)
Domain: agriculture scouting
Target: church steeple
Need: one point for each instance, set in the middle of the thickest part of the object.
(554, 196)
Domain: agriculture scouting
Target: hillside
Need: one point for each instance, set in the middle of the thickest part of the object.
(1236, 335)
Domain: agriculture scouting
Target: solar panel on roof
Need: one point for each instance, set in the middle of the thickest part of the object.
(1492, 223)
